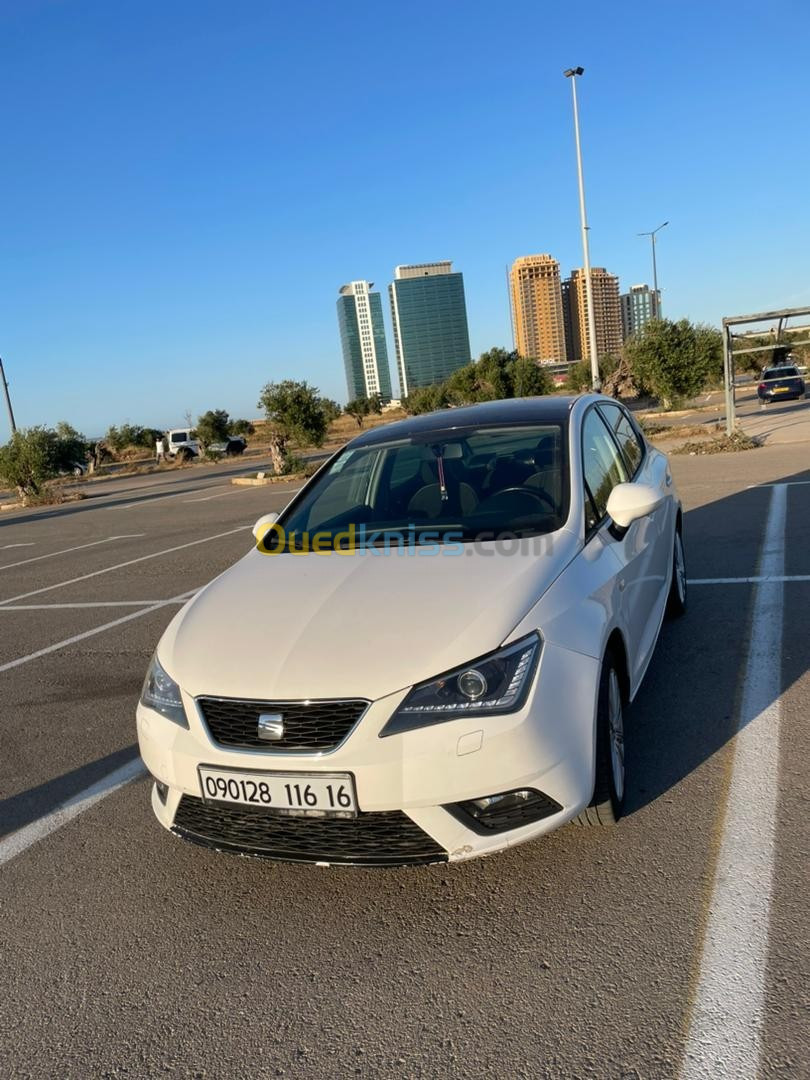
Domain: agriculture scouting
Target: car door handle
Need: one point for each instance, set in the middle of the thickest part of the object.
(621, 584)
(669, 479)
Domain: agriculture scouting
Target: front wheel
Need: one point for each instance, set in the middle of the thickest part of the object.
(605, 807)
(676, 601)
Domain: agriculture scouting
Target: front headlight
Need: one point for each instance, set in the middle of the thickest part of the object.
(161, 693)
(495, 684)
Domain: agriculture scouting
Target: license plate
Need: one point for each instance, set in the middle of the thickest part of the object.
(781, 389)
(314, 794)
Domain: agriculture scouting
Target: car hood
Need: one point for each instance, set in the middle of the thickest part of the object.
(364, 624)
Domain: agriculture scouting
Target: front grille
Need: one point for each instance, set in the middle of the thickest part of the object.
(376, 839)
(308, 725)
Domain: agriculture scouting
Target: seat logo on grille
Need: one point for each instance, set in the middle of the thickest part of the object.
(270, 727)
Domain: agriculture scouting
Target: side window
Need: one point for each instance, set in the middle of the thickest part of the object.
(347, 487)
(407, 462)
(626, 436)
(603, 467)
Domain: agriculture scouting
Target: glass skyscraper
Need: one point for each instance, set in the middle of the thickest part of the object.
(639, 305)
(362, 338)
(429, 314)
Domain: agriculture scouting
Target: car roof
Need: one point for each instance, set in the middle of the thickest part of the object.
(533, 410)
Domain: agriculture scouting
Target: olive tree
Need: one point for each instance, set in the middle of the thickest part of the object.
(33, 456)
(674, 360)
(213, 426)
(295, 412)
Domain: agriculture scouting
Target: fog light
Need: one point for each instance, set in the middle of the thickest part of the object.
(506, 810)
(162, 791)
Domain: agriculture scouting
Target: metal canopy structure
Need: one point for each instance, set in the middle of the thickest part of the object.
(729, 352)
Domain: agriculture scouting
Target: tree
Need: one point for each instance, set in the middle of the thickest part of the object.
(362, 407)
(579, 377)
(240, 427)
(358, 409)
(426, 399)
(331, 409)
(212, 426)
(529, 379)
(127, 435)
(295, 411)
(674, 360)
(29, 459)
(493, 371)
(72, 447)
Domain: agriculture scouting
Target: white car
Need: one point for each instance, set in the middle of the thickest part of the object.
(430, 651)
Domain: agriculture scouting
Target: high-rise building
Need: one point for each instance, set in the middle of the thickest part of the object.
(362, 337)
(639, 305)
(537, 308)
(429, 314)
(607, 313)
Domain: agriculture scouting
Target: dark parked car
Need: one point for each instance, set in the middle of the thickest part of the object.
(780, 383)
(232, 446)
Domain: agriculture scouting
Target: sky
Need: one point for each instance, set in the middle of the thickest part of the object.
(186, 184)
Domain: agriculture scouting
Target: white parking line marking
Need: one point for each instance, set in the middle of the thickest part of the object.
(18, 841)
(96, 630)
(65, 551)
(780, 483)
(91, 604)
(5, 547)
(759, 579)
(121, 566)
(222, 494)
(727, 1015)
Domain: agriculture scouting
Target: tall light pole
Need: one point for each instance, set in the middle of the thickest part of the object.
(596, 382)
(8, 399)
(655, 268)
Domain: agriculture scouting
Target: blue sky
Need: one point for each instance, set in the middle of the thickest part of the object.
(186, 184)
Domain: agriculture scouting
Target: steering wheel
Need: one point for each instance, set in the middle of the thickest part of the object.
(542, 497)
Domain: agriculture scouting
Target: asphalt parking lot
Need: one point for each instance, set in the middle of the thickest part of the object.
(586, 954)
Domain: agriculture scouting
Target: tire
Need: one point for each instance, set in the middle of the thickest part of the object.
(185, 456)
(676, 601)
(605, 807)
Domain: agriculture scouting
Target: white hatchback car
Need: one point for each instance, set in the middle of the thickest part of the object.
(430, 650)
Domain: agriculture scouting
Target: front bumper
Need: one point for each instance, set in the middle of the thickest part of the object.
(413, 779)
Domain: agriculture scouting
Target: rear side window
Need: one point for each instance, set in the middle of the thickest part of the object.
(603, 467)
(626, 436)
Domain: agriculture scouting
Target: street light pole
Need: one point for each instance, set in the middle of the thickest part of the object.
(596, 382)
(651, 235)
(8, 399)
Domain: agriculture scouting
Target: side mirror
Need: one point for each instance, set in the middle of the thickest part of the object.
(263, 524)
(629, 502)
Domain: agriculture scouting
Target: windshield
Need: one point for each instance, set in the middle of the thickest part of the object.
(780, 373)
(460, 485)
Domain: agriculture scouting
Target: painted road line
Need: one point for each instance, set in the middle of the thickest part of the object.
(155, 498)
(65, 551)
(182, 597)
(18, 841)
(759, 579)
(727, 1015)
(222, 494)
(5, 547)
(121, 566)
(779, 483)
(91, 604)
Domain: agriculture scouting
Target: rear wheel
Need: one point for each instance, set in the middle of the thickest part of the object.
(605, 807)
(676, 601)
